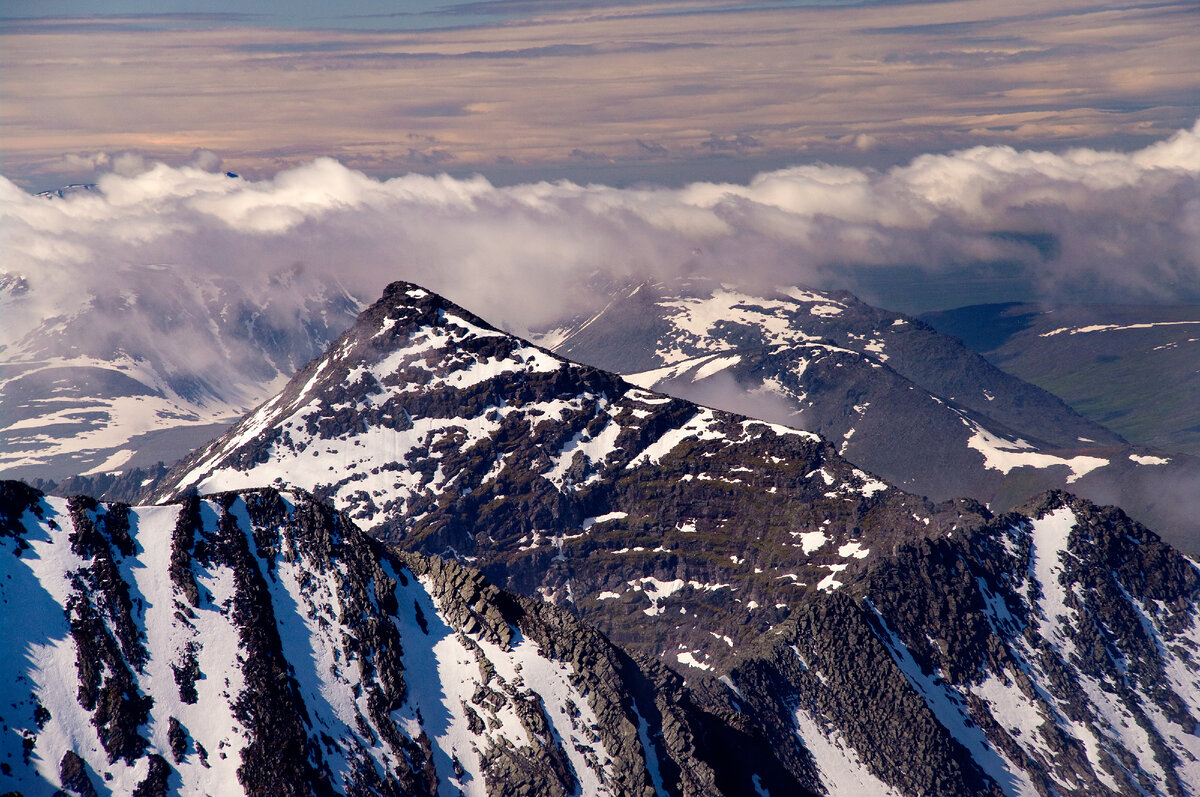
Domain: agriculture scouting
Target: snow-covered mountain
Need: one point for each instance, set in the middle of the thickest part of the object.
(1052, 652)
(833, 633)
(258, 643)
(900, 399)
(432, 429)
(151, 368)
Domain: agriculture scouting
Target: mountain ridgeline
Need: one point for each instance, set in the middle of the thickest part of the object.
(568, 584)
(435, 431)
(900, 399)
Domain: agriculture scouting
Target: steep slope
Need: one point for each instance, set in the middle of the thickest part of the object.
(433, 429)
(1058, 651)
(902, 400)
(1136, 369)
(260, 644)
(152, 368)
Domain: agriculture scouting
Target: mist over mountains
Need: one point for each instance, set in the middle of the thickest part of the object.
(719, 529)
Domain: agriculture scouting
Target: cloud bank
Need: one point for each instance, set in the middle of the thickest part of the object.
(1121, 226)
(602, 90)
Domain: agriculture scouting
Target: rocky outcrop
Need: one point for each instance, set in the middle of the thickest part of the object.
(1049, 652)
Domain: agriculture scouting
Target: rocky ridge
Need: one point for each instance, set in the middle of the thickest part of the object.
(1051, 652)
(259, 643)
(437, 432)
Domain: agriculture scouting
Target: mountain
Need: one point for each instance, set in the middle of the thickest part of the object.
(434, 430)
(1135, 369)
(901, 399)
(151, 367)
(259, 643)
(830, 632)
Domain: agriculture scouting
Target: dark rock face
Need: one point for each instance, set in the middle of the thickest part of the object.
(323, 664)
(829, 662)
(1053, 652)
(108, 643)
(73, 774)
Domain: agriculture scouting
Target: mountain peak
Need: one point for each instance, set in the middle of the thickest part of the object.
(433, 429)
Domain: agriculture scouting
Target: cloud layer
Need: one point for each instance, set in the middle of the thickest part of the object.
(1121, 226)
(604, 89)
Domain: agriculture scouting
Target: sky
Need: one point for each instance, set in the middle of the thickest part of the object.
(922, 154)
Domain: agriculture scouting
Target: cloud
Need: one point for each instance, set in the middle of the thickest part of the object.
(1125, 226)
(715, 85)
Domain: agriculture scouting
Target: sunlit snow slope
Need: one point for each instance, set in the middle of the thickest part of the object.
(259, 644)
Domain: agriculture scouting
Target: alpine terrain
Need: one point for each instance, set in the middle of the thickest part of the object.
(873, 641)
(902, 400)
(150, 369)
(259, 643)
(1133, 368)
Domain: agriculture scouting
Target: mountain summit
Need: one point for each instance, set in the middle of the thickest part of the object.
(438, 432)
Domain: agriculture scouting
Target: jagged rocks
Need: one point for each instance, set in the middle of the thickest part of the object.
(319, 663)
(1017, 656)
(73, 774)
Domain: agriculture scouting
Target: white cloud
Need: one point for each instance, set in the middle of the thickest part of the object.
(521, 255)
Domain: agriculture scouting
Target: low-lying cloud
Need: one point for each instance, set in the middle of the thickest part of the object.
(1121, 226)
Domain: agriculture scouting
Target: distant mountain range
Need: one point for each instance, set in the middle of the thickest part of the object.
(899, 398)
(831, 633)
(1135, 369)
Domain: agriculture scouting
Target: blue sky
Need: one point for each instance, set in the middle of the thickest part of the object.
(363, 15)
